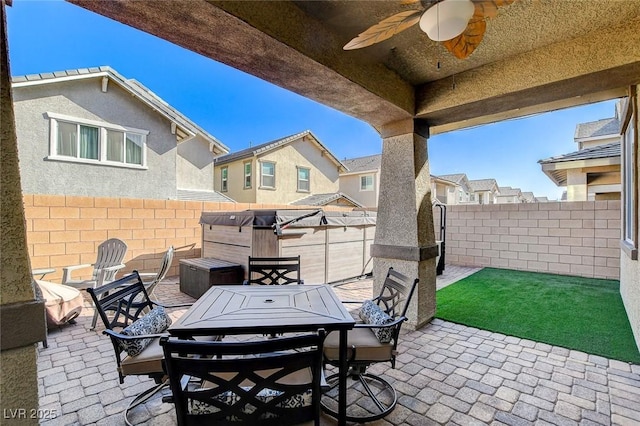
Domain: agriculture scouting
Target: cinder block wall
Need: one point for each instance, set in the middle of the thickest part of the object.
(571, 238)
(66, 230)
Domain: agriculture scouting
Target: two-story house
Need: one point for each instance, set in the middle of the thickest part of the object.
(296, 169)
(444, 191)
(593, 171)
(461, 193)
(361, 180)
(509, 195)
(484, 191)
(93, 132)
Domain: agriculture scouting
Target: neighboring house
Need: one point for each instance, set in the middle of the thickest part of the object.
(528, 197)
(443, 191)
(295, 169)
(592, 172)
(509, 195)
(361, 180)
(461, 194)
(485, 191)
(92, 132)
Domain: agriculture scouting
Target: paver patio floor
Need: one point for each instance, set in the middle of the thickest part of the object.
(445, 374)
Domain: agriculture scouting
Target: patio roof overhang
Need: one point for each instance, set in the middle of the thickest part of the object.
(536, 55)
(557, 172)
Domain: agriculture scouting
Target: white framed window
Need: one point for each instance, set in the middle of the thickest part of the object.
(96, 142)
(366, 183)
(304, 179)
(629, 178)
(247, 175)
(267, 174)
(224, 178)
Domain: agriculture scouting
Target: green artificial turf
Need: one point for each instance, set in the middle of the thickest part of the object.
(573, 312)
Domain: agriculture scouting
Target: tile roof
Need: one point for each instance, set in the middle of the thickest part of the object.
(507, 191)
(271, 145)
(363, 164)
(483, 184)
(604, 127)
(456, 178)
(600, 151)
(324, 199)
(196, 195)
(133, 86)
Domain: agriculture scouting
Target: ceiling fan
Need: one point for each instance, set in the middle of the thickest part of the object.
(458, 24)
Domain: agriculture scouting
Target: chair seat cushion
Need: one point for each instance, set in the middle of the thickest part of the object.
(156, 321)
(371, 313)
(368, 347)
(149, 361)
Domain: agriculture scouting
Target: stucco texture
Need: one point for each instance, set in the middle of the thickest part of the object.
(18, 381)
(84, 99)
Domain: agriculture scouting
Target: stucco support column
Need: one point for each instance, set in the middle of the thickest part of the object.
(22, 318)
(404, 227)
(577, 185)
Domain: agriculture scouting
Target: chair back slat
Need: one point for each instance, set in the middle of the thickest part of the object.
(396, 293)
(110, 253)
(272, 382)
(274, 270)
(121, 302)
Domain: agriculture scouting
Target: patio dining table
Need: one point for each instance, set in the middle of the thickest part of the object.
(229, 310)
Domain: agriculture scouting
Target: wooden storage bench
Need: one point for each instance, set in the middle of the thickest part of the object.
(198, 275)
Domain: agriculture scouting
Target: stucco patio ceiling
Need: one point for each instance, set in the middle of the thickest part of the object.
(536, 54)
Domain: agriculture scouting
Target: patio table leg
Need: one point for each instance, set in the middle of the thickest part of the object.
(342, 380)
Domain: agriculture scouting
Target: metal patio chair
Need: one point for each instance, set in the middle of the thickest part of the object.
(274, 270)
(372, 341)
(268, 382)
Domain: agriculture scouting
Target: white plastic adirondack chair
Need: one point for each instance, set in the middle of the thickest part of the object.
(109, 261)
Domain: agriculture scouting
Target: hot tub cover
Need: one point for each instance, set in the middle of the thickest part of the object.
(267, 218)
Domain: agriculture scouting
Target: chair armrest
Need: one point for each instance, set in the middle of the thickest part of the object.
(164, 305)
(66, 271)
(148, 274)
(103, 271)
(120, 336)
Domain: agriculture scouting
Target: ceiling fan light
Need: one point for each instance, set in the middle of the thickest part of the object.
(446, 19)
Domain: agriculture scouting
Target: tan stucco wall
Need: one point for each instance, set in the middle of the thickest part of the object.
(350, 185)
(630, 273)
(194, 165)
(18, 372)
(630, 292)
(323, 175)
(235, 181)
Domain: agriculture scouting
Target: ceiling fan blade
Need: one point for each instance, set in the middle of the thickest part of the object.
(464, 45)
(385, 29)
(489, 8)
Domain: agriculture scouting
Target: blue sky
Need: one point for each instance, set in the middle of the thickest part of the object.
(240, 110)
